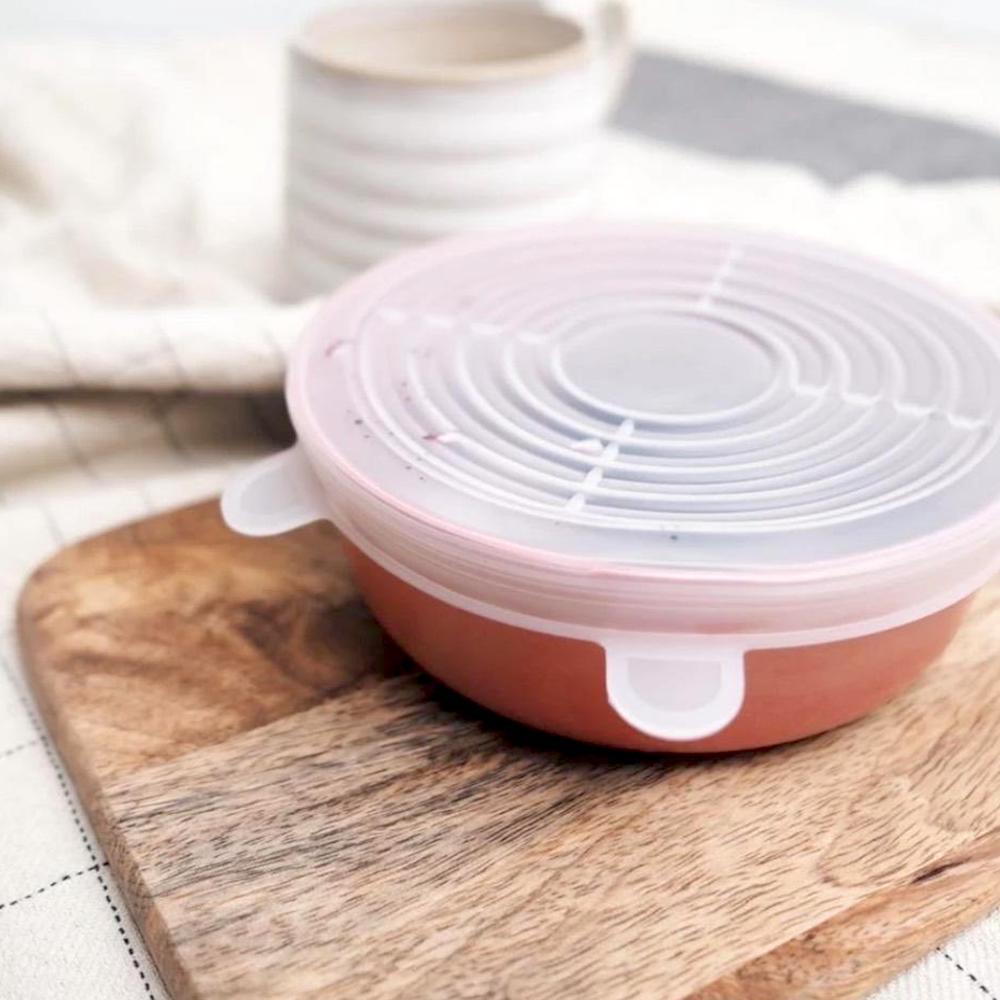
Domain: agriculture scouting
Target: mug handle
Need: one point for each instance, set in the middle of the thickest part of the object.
(606, 24)
(274, 495)
(676, 694)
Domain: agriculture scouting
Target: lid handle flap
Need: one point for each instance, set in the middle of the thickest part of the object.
(274, 495)
(674, 693)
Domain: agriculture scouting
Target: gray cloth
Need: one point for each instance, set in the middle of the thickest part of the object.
(746, 117)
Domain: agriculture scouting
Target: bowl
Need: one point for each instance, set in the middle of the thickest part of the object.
(653, 487)
(558, 684)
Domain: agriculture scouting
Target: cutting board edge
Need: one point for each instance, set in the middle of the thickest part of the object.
(931, 889)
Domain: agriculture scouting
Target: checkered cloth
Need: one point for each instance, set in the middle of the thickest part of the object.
(142, 335)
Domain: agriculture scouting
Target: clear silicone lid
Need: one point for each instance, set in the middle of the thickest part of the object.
(659, 428)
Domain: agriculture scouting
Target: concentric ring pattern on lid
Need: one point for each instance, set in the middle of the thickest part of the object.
(664, 398)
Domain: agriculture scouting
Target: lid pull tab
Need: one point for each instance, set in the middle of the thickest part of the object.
(274, 495)
(677, 694)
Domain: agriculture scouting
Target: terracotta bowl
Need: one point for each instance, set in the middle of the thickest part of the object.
(557, 684)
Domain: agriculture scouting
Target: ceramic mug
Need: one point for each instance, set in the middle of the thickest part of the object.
(407, 123)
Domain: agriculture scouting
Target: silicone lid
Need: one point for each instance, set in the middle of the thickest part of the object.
(659, 404)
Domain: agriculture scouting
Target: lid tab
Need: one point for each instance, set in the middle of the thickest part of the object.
(674, 693)
(277, 494)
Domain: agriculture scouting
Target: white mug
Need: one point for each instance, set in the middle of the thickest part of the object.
(407, 123)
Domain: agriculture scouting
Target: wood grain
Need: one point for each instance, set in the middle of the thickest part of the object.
(296, 812)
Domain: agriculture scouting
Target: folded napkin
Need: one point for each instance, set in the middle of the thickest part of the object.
(214, 349)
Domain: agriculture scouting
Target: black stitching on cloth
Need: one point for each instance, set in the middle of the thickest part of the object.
(75, 813)
(983, 988)
(73, 447)
(45, 888)
(10, 751)
(164, 337)
(161, 414)
(50, 523)
(57, 339)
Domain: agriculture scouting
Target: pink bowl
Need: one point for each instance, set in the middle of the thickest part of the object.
(558, 684)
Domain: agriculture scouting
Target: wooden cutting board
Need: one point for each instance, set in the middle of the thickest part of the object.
(295, 812)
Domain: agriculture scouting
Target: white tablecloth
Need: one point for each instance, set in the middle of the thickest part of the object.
(140, 320)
